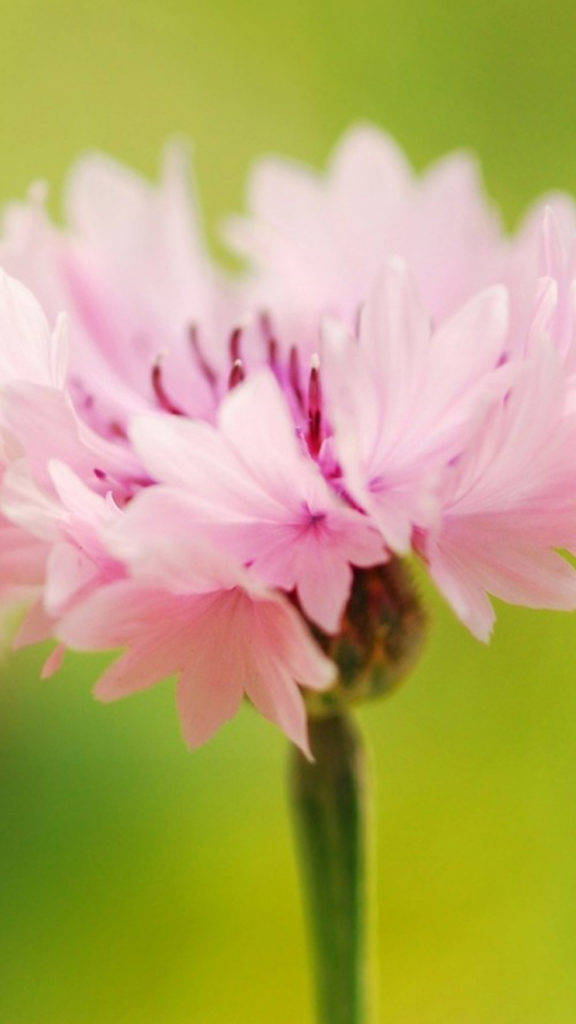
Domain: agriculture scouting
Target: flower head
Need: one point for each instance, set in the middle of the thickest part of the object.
(221, 476)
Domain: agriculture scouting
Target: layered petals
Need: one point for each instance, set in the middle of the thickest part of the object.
(403, 398)
(219, 632)
(262, 496)
(318, 243)
(509, 502)
(30, 351)
(197, 470)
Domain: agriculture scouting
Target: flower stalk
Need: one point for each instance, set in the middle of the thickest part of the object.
(381, 637)
(328, 800)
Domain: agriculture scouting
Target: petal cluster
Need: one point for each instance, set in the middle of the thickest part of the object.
(197, 468)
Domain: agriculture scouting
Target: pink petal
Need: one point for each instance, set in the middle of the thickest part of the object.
(136, 670)
(278, 699)
(36, 627)
(114, 616)
(27, 351)
(53, 662)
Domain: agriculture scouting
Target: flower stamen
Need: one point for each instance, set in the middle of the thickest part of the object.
(269, 340)
(314, 408)
(163, 399)
(204, 366)
(234, 344)
(237, 374)
(294, 375)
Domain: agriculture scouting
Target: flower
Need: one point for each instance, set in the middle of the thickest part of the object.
(222, 476)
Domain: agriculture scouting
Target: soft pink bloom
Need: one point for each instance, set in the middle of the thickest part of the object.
(195, 469)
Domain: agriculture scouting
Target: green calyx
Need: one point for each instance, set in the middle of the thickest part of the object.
(382, 635)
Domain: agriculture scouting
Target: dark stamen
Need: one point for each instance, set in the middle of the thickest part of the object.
(314, 409)
(266, 325)
(99, 474)
(269, 340)
(272, 346)
(235, 339)
(236, 374)
(294, 375)
(159, 390)
(200, 358)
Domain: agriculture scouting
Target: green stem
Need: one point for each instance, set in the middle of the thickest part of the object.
(329, 816)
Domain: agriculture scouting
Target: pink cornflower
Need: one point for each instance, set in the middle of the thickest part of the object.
(202, 471)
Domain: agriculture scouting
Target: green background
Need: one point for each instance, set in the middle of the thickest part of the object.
(140, 882)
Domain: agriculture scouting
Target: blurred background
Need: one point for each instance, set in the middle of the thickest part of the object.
(138, 881)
